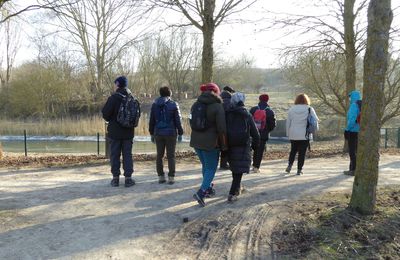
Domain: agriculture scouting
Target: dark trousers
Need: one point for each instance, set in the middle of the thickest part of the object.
(224, 160)
(116, 147)
(237, 178)
(259, 153)
(165, 143)
(300, 147)
(353, 140)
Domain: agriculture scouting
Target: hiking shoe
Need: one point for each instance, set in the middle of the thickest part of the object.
(255, 170)
(349, 173)
(161, 179)
(210, 192)
(199, 197)
(239, 191)
(232, 198)
(171, 180)
(129, 182)
(288, 169)
(115, 182)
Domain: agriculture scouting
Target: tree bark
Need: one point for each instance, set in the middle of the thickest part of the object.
(208, 29)
(350, 48)
(207, 60)
(375, 65)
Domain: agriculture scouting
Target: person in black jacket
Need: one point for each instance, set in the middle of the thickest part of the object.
(264, 131)
(120, 138)
(226, 95)
(165, 123)
(242, 135)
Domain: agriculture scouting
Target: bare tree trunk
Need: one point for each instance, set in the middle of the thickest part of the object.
(207, 60)
(375, 65)
(208, 29)
(350, 48)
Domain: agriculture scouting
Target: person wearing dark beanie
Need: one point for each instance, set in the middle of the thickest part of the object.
(226, 96)
(119, 137)
(164, 126)
(229, 89)
(264, 118)
(121, 82)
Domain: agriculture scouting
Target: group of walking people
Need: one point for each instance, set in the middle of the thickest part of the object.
(223, 130)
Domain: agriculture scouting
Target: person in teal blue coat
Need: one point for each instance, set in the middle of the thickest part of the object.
(352, 129)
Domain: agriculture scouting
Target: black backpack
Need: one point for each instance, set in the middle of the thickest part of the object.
(129, 111)
(198, 117)
(162, 117)
(237, 129)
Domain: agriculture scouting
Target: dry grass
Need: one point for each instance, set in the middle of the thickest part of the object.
(323, 228)
(70, 127)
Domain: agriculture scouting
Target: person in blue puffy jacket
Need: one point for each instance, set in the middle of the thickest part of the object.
(164, 127)
(352, 129)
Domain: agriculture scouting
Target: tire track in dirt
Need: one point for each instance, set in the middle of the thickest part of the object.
(238, 233)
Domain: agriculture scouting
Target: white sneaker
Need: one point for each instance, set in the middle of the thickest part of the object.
(255, 170)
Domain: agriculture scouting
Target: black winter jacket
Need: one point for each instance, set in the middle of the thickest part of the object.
(110, 112)
(174, 118)
(271, 122)
(239, 157)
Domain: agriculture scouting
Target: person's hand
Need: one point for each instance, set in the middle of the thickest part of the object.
(180, 137)
(152, 139)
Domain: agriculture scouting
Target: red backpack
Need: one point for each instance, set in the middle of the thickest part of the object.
(260, 118)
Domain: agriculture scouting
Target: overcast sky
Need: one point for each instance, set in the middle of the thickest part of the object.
(234, 39)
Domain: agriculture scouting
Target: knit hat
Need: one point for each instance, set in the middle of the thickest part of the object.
(210, 87)
(121, 81)
(263, 97)
(229, 89)
(238, 97)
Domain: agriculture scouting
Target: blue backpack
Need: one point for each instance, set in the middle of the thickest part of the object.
(312, 124)
(162, 120)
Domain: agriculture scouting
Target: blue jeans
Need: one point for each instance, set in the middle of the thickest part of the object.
(116, 147)
(209, 162)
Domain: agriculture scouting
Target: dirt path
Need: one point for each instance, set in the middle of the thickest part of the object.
(73, 213)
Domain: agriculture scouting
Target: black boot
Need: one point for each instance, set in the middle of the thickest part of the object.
(115, 182)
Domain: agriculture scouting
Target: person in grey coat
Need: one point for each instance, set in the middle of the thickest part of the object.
(242, 135)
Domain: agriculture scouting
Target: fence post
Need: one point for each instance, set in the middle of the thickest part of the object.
(25, 146)
(398, 138)
(386, 138)
(98, 143)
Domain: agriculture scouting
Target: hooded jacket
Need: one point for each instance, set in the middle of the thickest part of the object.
(110, 112)
(296, 122)
(271, 121)
(209, 139)
(352, 125)
(174, 118)
(239, 157)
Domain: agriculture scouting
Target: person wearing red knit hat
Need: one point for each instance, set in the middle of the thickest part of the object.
(264, 117)
(208, 138)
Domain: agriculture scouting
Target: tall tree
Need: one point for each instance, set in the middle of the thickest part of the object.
(100, 28)
(338, 29)
(9, 45)
(177, 57)
(206, 16)
(380, 18)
